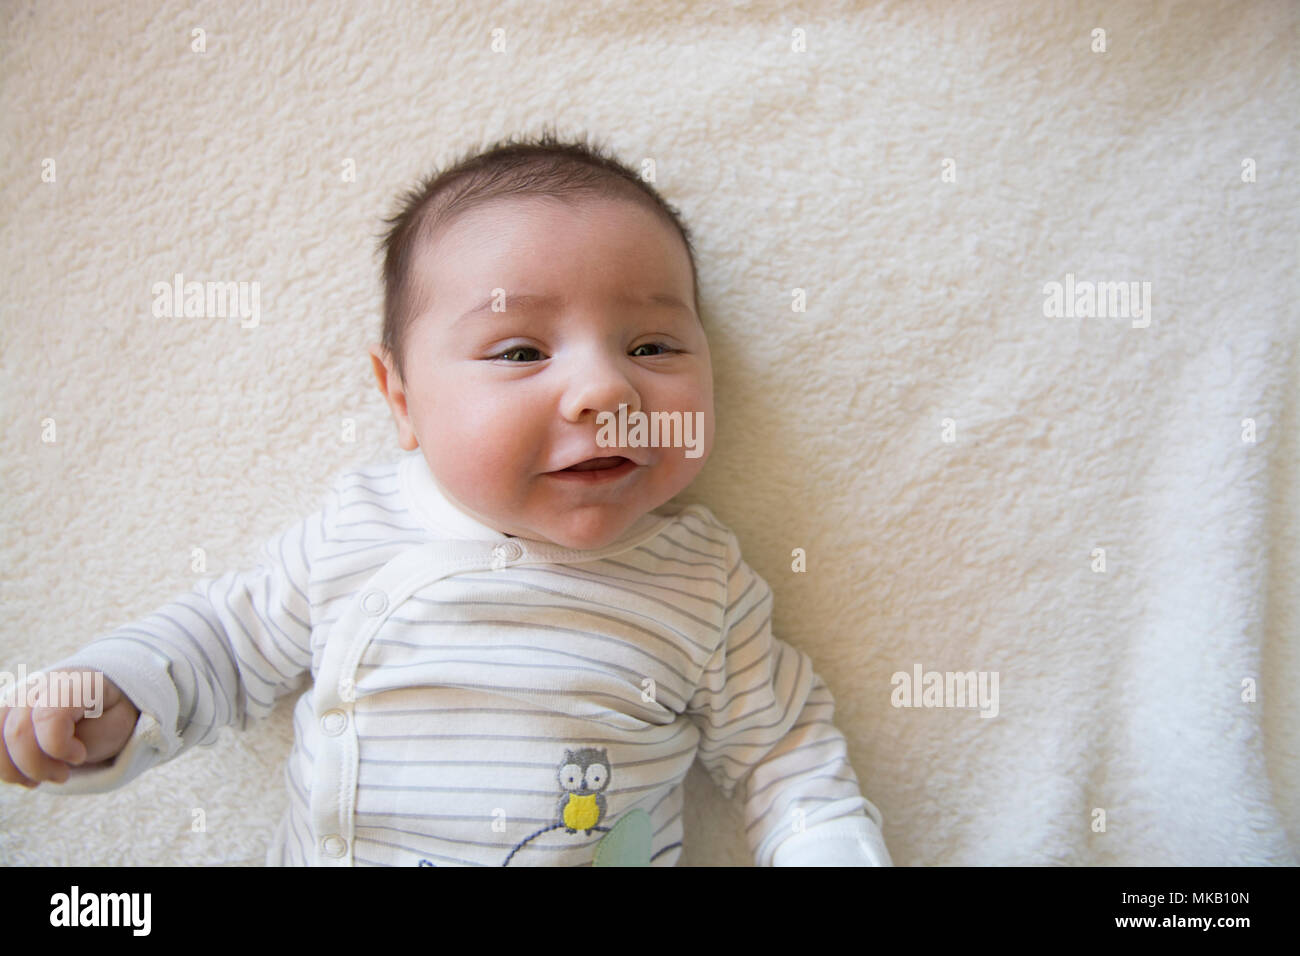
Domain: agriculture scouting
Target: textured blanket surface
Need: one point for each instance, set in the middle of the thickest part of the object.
(904, 213)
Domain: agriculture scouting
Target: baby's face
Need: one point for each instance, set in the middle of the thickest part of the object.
(499, 401)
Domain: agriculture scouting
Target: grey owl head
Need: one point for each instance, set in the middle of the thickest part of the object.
(585, 770)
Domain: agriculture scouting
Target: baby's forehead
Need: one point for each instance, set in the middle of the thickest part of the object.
(473, 237)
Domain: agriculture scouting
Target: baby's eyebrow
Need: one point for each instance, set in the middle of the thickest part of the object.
(525, 301)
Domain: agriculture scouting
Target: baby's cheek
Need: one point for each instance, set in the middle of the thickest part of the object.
(485, 470)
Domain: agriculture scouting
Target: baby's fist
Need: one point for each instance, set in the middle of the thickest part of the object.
(43, 742)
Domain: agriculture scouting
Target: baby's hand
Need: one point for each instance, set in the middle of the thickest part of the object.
(42, 743)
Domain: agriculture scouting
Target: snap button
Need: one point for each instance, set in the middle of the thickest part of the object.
(334, 846)
(333, 722)
(374, 603)
(509, 551)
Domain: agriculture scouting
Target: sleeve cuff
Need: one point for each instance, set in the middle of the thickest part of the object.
(847, 841)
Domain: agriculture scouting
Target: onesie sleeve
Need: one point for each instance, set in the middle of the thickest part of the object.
(213, 657)
(765, 719)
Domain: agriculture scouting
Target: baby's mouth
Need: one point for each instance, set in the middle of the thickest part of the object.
(597, 464)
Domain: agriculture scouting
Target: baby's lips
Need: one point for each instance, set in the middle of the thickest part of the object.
(598, 464)
(613, 458)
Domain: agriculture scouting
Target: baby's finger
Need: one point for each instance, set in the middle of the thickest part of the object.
(106, 735)
(8, 772)
(25, 752)
(56, 729)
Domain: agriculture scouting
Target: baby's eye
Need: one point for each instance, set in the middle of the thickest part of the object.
(520, 348)
(654, 345)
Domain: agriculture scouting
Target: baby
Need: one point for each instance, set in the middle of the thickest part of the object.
(516, 646)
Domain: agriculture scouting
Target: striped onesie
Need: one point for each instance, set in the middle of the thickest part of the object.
(477, 699)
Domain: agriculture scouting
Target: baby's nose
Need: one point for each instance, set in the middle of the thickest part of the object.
(600, 391)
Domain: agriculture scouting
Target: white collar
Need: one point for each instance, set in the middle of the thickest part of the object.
(432, 507)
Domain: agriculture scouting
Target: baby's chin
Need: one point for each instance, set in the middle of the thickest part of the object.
(580, 533)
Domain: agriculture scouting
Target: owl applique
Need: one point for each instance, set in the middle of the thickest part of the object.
(583, 775)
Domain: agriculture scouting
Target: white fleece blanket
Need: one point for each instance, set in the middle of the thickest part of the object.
(1096, 509)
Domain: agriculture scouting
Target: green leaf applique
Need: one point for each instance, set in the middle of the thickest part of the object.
(627, 843)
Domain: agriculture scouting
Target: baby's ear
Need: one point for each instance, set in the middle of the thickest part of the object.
(390, 386)
(386, 376)
(381, 364)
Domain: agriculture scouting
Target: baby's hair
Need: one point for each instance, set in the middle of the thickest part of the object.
(517, 167)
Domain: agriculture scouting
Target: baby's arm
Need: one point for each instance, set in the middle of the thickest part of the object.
(765, 719)
(216, 656)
